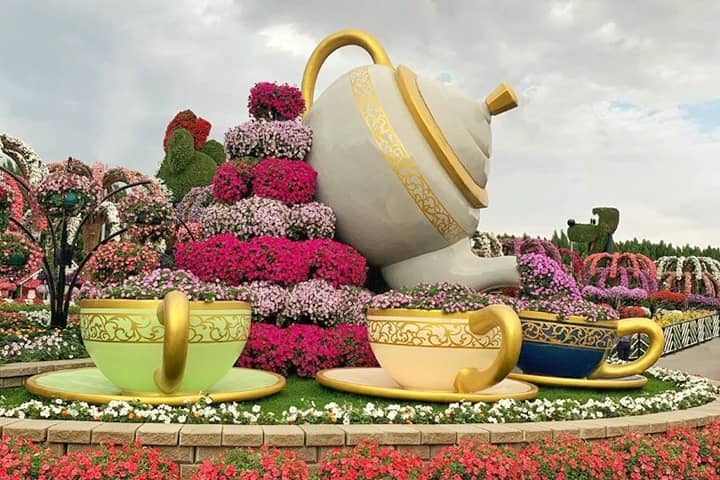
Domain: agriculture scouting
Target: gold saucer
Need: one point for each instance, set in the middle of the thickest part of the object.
(91, 386)
(634, 381)
(375, 382)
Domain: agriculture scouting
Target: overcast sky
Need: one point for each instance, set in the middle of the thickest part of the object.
(620, 101)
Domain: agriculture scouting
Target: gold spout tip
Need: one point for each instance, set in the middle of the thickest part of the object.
(502, 99)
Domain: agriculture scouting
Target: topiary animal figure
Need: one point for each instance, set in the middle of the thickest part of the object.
(597, 234)
(190, 159)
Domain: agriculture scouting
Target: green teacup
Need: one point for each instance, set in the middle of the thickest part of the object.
(169, 346)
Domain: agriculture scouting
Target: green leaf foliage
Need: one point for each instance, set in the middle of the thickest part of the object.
(214, 150)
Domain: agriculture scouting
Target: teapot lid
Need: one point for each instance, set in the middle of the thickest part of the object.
(502, 99)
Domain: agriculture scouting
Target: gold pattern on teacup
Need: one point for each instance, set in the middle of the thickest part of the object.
(138, 328)
(570, 335)
(417, 333)
(399, 159)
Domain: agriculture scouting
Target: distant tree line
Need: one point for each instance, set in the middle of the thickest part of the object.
(653, 250)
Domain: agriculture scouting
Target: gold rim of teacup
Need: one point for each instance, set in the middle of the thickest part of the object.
(132, 303)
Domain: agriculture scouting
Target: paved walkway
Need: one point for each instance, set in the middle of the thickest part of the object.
(703, 359)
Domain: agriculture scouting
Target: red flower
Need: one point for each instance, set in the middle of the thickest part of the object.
(630, 312)
(198, 127)
(115, 261)
(667, 297)
(229, 260)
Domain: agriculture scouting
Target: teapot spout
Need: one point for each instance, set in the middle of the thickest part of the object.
(502, 99)
(454, 264)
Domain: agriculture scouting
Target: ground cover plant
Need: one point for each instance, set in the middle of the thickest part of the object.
(306, 401)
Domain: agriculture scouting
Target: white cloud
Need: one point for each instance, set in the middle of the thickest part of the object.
(563, 13)
(602, 87)
(286, 38)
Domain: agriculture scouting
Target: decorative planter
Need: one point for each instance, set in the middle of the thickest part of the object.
(577, 348)
(436, 351)
(169, 346)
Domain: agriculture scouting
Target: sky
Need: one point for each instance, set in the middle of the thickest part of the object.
(619, 101)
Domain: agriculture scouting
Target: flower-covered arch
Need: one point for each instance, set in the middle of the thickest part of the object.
(690, 275)
(630, 270)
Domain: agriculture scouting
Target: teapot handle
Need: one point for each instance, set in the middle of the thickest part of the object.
(331, 43)
(174, 313)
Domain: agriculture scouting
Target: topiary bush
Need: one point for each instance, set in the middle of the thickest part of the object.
(190, 160)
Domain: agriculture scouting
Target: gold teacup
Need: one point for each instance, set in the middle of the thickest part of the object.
(436, 351)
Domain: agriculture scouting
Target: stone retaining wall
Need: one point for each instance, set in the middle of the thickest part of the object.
(15, 374)
(189, 445)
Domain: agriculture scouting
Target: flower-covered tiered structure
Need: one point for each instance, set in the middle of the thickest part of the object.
(258, 227)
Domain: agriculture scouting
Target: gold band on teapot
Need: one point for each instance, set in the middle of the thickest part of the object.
(424, 120)
(174, 314)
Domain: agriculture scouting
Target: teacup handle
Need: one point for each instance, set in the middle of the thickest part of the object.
(482, 321)
(174, 313)
(629, 326)
(331, 43)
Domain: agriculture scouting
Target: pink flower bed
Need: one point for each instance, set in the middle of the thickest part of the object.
(288, 181)
(274, 259)
(213, 259)
(232, 181)
(306, 349)
(226, 259)
(336, 262)
(270, 101)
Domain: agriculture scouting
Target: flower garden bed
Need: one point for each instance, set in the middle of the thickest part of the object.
(679, 335)
(305, 401)
(25, 336)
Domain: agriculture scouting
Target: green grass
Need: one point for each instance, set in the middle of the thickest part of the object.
(298, 389)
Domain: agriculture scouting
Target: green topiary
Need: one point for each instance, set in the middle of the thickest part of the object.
(184, 167)
(597, 234)
(181, 151)
(215, 150)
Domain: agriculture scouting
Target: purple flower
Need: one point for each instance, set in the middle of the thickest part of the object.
(194, 202)
(543, 277)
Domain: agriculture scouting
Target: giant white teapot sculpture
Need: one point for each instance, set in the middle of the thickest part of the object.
(403, 162)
